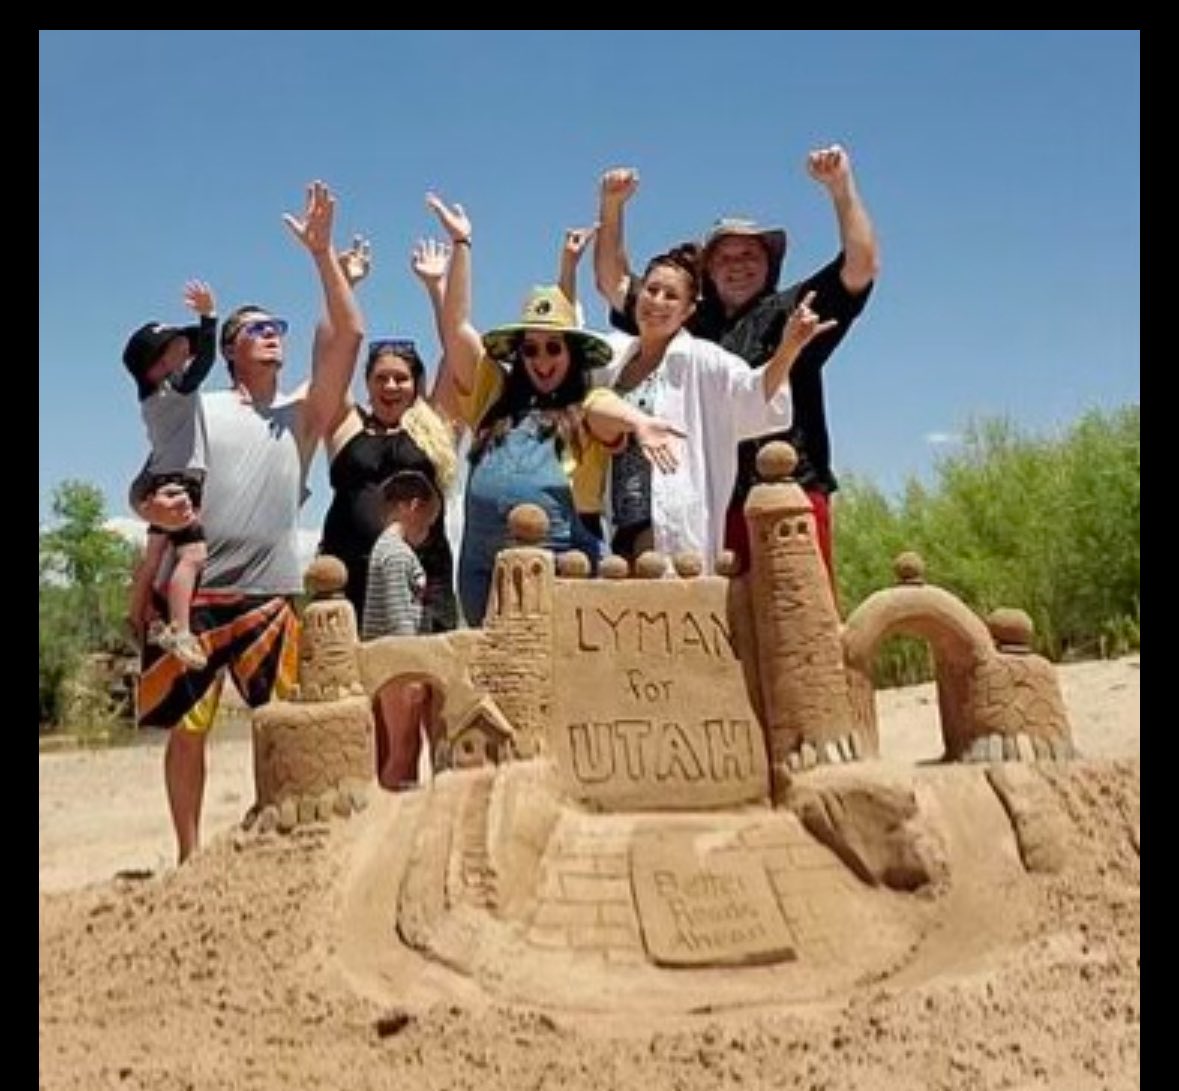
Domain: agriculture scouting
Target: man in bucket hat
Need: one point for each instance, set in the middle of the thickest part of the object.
(743, 311)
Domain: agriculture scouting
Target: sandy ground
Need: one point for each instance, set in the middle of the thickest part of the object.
(227, 973)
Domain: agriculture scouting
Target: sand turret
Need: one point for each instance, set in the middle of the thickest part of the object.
(805, 702)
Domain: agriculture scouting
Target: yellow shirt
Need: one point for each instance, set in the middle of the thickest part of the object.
(586, 471)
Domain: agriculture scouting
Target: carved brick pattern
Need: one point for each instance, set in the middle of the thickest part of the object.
(516, 670)
(800, 653)
(304, 750)
(1019, 694)
(584, 900)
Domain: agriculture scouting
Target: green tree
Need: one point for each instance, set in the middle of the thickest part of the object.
(1046, 524)
(87, 556)
(84, 573)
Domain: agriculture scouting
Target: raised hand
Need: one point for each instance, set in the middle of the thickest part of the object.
(453, 218)
(804, 325)
(829, 166)
(428, 260)
(314, 230)
(576, 240)
(198, 297)
(619, 185)
(357, 261)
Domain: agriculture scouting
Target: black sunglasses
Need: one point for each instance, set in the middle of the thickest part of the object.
(530, 350)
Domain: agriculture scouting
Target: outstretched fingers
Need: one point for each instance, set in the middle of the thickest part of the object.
(314, 229)
(804, 323)
(658, 441)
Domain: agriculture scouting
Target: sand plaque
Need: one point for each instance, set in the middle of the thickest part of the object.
(655, 712)
(702, 908)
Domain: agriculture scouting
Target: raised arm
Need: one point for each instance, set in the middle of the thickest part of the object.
(611, 266)
(572, 249)
(831, 167)
(429, 261)
(802, 327)
(198, 297)
(355, 263)
(338, 341)
(462, 347)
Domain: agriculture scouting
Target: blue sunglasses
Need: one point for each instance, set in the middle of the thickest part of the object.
(266, 327)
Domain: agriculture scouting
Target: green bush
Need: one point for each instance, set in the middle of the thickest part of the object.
(1047, 525)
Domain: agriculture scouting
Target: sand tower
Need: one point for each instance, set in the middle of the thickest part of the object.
(313, 754)
(518, 671)
(805, 703)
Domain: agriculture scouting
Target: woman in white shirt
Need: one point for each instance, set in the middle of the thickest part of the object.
(695, 387)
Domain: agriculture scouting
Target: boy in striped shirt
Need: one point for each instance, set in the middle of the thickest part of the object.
(396, 580)
(394, 605)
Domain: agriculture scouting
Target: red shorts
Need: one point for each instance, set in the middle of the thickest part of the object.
(737, 532)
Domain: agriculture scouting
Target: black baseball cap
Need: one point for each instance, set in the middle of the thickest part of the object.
(146, 344)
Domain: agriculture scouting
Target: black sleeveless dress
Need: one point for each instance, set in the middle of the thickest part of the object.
(355, 519)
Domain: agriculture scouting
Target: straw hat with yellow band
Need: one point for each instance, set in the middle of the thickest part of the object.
(547, 310)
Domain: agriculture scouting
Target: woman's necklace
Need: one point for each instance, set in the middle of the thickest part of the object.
(372, 423)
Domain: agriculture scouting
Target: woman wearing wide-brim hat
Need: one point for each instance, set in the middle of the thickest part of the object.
(521, 387)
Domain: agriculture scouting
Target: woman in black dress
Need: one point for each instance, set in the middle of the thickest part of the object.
(398, 430)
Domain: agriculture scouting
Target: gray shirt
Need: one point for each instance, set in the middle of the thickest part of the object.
(253, 492)
(175, 431)
(172, 413)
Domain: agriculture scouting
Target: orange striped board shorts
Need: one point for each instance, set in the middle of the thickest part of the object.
(253, 638)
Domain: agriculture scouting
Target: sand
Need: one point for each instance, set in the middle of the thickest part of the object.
(253, 967)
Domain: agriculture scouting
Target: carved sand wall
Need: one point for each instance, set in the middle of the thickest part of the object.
(659, 688)
(517, 670)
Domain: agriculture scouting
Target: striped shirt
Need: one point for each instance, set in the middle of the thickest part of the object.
(393, 604)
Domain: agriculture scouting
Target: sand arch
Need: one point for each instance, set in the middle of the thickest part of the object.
(958, 638)
(440, 660)
(953, 631)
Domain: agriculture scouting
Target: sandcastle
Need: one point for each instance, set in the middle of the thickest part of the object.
(659, 769)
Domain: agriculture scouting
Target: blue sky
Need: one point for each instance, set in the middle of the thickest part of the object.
(1001, 168)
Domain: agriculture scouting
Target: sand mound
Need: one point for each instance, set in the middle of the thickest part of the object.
(274, 963)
